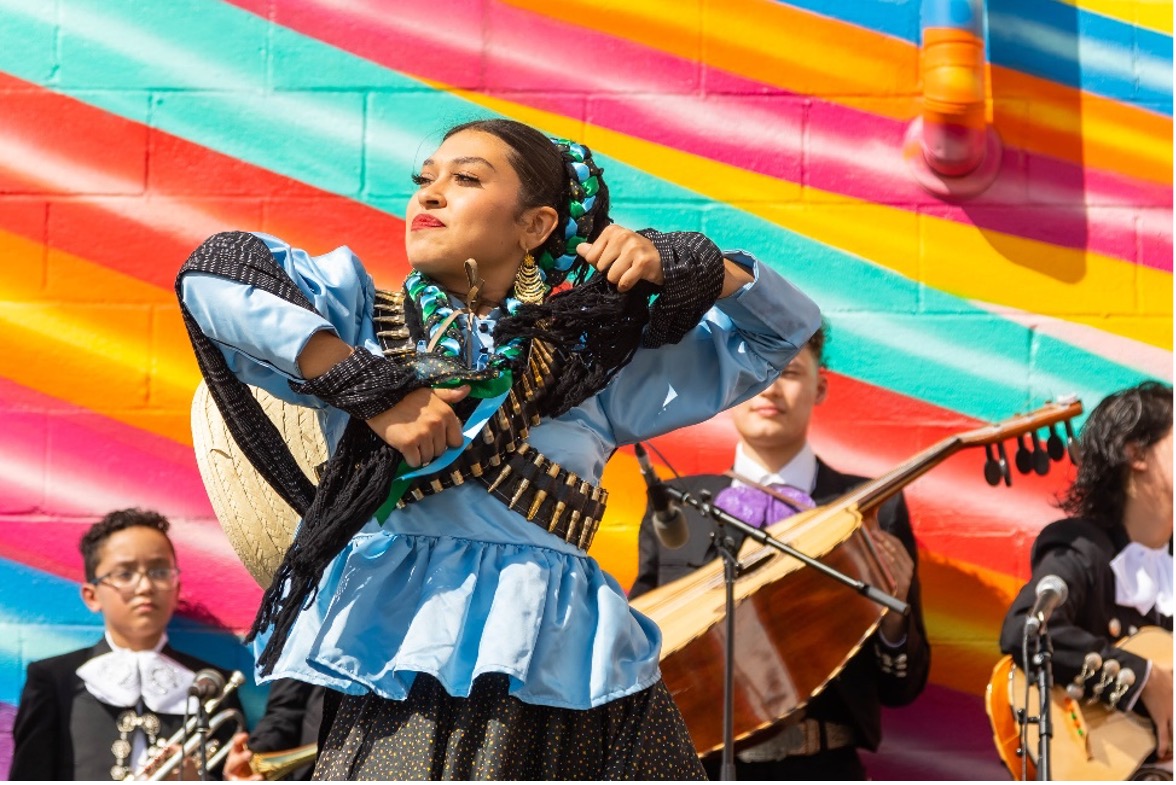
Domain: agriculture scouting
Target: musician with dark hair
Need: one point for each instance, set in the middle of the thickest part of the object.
(1114, 554)
(92, 714)
(439, 583)
(820, 741)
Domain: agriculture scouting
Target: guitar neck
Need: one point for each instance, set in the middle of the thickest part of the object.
(872, 494)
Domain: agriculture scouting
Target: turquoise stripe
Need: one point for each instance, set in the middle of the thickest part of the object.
(1046, 38)
(46, 617)
(363, 141)
(894, 333)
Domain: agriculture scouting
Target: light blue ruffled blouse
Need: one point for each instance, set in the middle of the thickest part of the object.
(457, 585)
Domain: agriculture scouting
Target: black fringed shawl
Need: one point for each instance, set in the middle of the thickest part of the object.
(595, 331)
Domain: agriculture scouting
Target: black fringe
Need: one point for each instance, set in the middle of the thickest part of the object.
(356, 479)
(242, 256)
(356, 482)
(594, 328)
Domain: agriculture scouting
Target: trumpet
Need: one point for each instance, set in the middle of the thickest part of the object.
(275, 765)
(161, 765)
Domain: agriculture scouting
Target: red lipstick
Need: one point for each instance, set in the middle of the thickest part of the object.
(425, 221)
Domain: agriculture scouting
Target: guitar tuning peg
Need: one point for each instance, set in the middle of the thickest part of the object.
(1072, 444)
(992, 472)
(1123, 682)
(1023, 458)
(1004, 465)
(1054, 444)
(1090, 665)
(1040, 456)
(1110, 670)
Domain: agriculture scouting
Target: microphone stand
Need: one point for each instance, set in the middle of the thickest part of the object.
(1042, 662)
(726, 547)
(202, 729)
(763, 538)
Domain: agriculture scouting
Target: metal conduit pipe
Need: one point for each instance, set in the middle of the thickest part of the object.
(951, 148)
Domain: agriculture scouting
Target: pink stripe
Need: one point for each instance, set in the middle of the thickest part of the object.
(92, 464)
(543, 63)
(64, 467)
(219, 587)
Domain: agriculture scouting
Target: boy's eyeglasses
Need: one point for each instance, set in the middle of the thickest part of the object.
(160, 577)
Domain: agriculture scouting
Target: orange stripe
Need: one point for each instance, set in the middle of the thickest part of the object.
(130, 361)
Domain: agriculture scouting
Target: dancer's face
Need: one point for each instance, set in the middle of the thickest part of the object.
(467, 206)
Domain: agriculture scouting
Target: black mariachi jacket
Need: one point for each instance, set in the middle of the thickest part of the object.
(62, 732)
(1079, 551)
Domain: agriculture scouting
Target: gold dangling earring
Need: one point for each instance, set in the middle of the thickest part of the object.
(528, 284)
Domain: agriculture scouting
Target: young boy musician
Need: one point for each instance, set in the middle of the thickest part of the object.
(92, 714)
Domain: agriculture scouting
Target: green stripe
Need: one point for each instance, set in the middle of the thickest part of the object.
(204, 67)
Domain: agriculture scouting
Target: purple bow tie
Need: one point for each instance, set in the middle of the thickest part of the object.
(760, 509)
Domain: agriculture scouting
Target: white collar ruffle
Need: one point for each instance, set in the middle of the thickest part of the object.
(1143, 578)
(122, 677)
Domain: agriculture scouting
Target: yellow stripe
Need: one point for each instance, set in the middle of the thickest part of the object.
(1144, 13)
(108, 342)
(995, 267)
(813, 55)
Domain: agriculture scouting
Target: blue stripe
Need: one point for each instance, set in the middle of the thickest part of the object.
(1045, 38)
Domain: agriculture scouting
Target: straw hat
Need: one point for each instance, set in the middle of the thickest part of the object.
(258, 522)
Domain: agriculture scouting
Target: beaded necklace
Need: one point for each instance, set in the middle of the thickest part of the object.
(438, 318)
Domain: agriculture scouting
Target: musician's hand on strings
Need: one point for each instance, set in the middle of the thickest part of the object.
(902, 568)
(237, 760)
(1157, 699)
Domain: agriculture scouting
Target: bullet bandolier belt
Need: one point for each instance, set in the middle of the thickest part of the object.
(499, 457)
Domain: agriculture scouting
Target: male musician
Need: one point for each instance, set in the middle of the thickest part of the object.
(1115, 557)
(821, 740)
(91, 714)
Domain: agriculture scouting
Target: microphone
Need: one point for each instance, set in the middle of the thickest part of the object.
(207, 684)
(1051, 592)
(669, 524)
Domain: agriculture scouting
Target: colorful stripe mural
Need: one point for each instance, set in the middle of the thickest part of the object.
(130, 130)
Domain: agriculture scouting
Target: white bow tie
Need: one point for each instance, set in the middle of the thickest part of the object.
(1143, 578)
(121, 678)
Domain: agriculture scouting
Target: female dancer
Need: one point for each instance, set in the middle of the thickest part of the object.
(439, 580)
